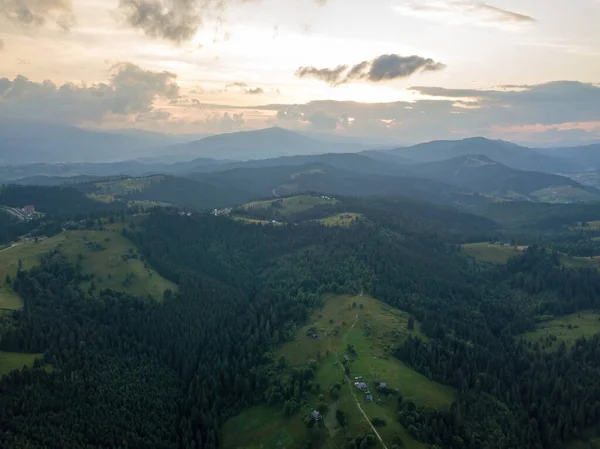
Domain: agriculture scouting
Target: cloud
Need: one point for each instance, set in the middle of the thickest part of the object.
(236, 84)
(175, 20)
(461, 12)
(36, 13)
(244, 88)
(129, 91)
(533, 111)
(225, 122)
(382, 68)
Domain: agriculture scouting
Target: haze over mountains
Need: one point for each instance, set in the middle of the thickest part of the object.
(276, 161)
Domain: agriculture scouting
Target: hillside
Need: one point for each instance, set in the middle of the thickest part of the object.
(587, 156)
(483, 175)
(509, 154)
(26, 142)
(261, 144)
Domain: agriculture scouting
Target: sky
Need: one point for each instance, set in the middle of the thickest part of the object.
(397, 71)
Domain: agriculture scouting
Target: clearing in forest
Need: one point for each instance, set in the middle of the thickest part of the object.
(292, 204)
(365, 330)
(107, 254)
(16, 360)
(550, 332)
(492, 252)
(343, 219)
(500, 254)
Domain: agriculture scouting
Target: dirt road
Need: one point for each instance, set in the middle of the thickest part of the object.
(357, 400)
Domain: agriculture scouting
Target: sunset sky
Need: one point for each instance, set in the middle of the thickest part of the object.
(386, 70)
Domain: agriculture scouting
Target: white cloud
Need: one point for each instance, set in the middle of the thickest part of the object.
(464, 13)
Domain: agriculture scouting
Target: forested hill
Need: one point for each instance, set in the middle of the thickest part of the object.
(59, 200)
(120, 371)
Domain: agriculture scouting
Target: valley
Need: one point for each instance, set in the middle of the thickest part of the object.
(322, 301)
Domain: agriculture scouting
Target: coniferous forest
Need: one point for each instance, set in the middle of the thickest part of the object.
(127, 372)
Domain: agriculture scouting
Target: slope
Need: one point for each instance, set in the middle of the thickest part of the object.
(261, 144)
(587, 156)
(506, 153)
(24, 142)
(484, 175)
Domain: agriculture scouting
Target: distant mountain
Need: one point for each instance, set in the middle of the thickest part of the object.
(359, 163)
(261, 144)
(587, 156)
(191, 193)
(29, 142)
(506, 153)
(284, 180)
(55, 180)
(484, 175)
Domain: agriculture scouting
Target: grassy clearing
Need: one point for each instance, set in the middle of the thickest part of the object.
(116, 265)
(107, 254)
(16, 360)
(345, 219)
(125, 186)
(372, 329)
(564, 194)
(587, 226)
(28, 251)
(255, 220)
(291, 205)
(489, 252)
(567, 328)
(500, 254)
(263, 427)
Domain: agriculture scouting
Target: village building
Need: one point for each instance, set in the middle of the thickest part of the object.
(315, 415)
(362, 386)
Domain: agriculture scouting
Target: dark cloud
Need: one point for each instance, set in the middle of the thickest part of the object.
(330, 76)
(382, 68)
(255, 91)
(129, 91)
(244, 87)
(175, 20)
(37, 13)
(457, 113)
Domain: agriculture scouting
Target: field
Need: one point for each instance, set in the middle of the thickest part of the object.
(499, 254)
(345, 219)
(255, 220)
(263, 427)
(587, 226)
(489, 252)
(567, 328)
(106, 253)
(15, 360)
(291, 205)
(372, 329)
(125, 186)
(28, 251)
(564, 194)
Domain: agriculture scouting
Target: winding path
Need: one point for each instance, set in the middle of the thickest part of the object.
(356, 399)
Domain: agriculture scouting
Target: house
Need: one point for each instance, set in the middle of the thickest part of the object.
(358, 378)
(29, 209)
(382, 385)
(362, 386)
(346, 358)
(369, 397)
(316, 415)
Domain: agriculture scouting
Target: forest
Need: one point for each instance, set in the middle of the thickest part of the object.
(125, 372)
